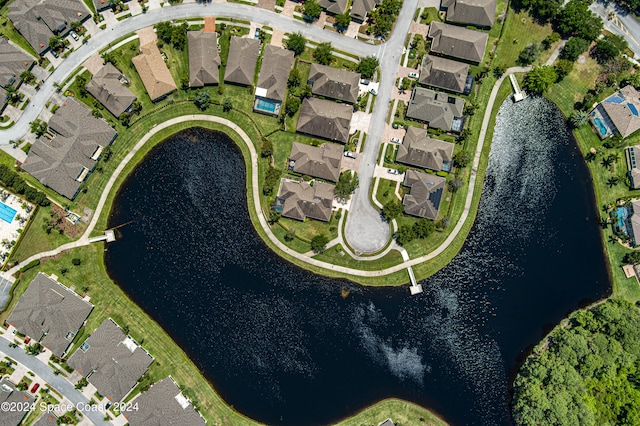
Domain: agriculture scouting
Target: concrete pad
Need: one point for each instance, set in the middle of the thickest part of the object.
(135, 8)
(276, 37)
(383, 172)
(429, 3)
(321, 20)
(147, 35)
(267, 4)
(94, 64)
(416, 28)
(209, 24)
(404, 97)
(289, 8)
(352, 164)
(389, 132)
(360, 121)
(352, 30)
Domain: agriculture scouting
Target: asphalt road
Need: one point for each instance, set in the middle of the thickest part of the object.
(623, 23)
(365, 230)
(58, 383)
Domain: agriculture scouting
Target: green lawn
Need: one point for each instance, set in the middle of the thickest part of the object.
(386, 191)
(36, 239)
(572, 89)
(308, 229)
(519, 30)
(401, 412)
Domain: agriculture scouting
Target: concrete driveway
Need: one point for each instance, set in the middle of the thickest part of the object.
(360, 121)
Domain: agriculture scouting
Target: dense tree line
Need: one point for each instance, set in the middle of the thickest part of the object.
(176, 35)
(574, 19)
(585, 373)
(13, 181)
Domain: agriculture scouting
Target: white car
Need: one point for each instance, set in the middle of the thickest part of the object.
(350, 154)
(364, 82)
(395, 140)
(373, 92)
(413, 75)
(74, 35)
(394, 172)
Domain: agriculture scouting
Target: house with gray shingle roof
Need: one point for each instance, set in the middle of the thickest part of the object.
(111, 361)
(164, 404)
(318, 161)
(632, 154)
(39, 20)
(619, 113)
(241, 62)
(421, 151)
(50, 313)
(437, 109)
(299, 200)
(334, 83)
(425, 195)
(204, 59)
(444, 73)
(457, 42)
(272, 80)
(13, 398)
(325, 119)
(64, 157)
(480, 13)
(153, 72)
(333, 7)
(13, 61)
(360, 9)
(108, 88)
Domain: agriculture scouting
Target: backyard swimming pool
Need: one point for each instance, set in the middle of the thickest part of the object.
(264, 105)
(601, 127)
(621, 215)
(7, 213)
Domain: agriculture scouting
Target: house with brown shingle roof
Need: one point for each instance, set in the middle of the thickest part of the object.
(272, 80)
(153, 72)
(204, 59)
(299, 200)
(64, 157)
(333, 7)
(164, 404)
(444, 74)
(360, 9)
(457, 42)
(480, 13)
(108, 88)
(619, 113)
(111, 361)
(325, 119)
(241, 62)
(421, 151)
(50, 313)
(425, 195)
(437, 109)
(318, 161)
(101, 5)
(39, 20)
(13, 61)
(334, 83)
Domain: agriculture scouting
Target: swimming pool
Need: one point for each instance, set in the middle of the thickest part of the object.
(601, 127)
(7, 213)
(621, 215)
(265, 105)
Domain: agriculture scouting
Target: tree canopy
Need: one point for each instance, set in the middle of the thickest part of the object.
(296, 42)
(585, 373)
(367, 66)
(319, 243)
(347, 184)
(539, 79)
(322, 54)
(312, 9)
(576, 19)
(202, 100)
(544, 9)
(575, 47)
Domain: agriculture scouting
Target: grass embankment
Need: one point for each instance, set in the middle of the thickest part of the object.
(401, 412)
(36, 239)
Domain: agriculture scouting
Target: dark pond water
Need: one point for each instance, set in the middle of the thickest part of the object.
(282, 346)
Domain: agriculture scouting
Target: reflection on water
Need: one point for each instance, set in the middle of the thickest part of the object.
(284, 346)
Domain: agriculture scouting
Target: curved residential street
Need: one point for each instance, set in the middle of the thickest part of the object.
(59, 383)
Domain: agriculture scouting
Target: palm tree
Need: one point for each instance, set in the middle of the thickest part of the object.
(613, 239)
(606, 162)
(590, 157)
(613, 181)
